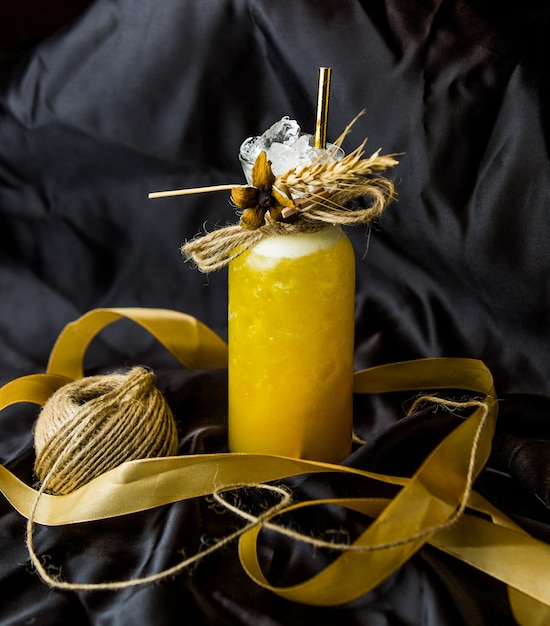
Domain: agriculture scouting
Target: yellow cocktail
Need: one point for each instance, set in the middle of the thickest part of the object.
(291, 328)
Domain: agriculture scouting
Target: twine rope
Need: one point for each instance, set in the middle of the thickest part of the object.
(94, 424)
(264, 518)
(427, 532)
(56, 583)
(214, 250)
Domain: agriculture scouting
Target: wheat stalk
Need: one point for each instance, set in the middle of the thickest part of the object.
(348, 172)
(331, 184)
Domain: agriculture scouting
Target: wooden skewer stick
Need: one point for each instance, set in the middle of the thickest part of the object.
(321, 120)
(188, 192)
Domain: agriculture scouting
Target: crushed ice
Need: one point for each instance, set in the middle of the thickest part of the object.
(285, 146)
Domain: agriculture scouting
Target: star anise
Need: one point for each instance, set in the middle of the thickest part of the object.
(260, 197)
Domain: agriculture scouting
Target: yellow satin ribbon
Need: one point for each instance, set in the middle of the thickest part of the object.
(423, 511)
(192, 343)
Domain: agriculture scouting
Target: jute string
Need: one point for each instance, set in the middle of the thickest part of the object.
(252, 520)
(214, 250)
(94, 424)
(345, 547)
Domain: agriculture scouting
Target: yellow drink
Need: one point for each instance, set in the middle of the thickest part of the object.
(291, 327)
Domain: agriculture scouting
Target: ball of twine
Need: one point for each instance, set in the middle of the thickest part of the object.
(94, 424)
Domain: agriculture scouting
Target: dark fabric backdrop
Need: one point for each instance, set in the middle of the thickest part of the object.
(130, 97)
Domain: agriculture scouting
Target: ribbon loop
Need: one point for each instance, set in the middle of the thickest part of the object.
(191, 342)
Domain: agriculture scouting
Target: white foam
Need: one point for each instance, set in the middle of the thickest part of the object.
(298, 244)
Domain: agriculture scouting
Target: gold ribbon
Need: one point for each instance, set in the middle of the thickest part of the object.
(192, 343)
(430, 507)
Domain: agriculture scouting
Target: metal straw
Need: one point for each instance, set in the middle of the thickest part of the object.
(321, 121)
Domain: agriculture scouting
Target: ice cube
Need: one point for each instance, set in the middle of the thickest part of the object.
(282, 157)
(286, 156)
(250, 149)
(273, 141)
(283, 131)
(285, 145)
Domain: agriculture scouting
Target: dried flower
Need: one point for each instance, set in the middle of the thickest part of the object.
(260, 197)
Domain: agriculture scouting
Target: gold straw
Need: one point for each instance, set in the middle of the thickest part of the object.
(321, 121)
